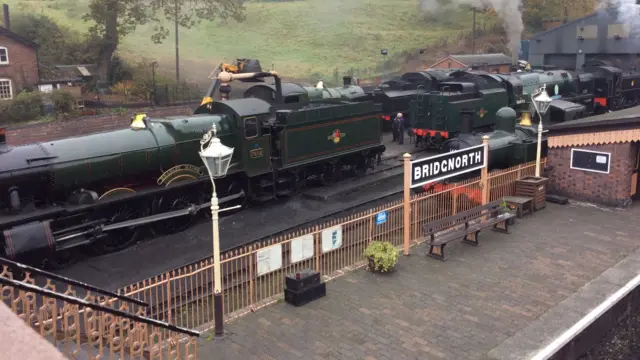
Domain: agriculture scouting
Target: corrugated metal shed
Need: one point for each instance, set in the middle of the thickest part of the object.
(607, 34)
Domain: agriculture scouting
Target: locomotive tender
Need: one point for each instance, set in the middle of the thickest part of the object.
(98, 192)
(436, 115)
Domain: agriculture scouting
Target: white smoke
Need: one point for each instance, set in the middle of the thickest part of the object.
(627, 12)
(509, 11)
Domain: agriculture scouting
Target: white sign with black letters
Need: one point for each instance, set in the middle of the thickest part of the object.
(331, 238)
(443, 166)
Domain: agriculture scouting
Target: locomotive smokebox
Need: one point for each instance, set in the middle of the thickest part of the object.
(346, 80)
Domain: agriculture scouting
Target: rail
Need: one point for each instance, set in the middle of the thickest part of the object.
(52, 276)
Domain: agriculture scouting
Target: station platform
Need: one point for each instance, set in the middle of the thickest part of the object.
(470, 307)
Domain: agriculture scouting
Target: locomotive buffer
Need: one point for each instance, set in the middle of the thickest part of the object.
(443, 166)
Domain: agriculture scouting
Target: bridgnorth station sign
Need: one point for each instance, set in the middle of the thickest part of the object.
(443, 166)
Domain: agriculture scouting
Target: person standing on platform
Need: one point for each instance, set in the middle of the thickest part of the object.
(400, 128)
(394, 128)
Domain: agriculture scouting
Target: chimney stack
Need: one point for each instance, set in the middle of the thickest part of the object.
(7, 21)
(346, 81)
(514, 58)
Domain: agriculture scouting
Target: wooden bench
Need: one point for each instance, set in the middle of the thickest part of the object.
(465, 225)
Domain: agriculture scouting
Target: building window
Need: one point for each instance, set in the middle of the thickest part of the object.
(5, 89)
(4, 55)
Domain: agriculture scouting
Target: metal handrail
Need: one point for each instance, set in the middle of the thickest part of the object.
(97, 307)
(72, 282)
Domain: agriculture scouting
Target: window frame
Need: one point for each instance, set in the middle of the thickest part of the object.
(10, 89)
(6, 51)
(244, 127)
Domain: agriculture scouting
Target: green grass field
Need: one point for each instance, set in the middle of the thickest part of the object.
(300, 38)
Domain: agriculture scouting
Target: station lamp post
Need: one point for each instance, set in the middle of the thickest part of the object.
(216, 158)
(541, 102)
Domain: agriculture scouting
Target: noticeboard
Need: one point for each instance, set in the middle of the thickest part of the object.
(301, 248)
(444, 166)
(269, 259)
(587, 160)
(331, 238)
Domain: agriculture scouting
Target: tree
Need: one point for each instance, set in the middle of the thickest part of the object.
(114, 19)
(58, 44)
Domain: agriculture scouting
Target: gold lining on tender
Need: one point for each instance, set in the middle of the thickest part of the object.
(598, 138)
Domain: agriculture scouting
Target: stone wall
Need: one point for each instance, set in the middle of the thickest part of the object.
(33, 133)
(611, 189)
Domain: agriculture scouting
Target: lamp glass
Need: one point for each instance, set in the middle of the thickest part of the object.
(542, 102)
(216, 158)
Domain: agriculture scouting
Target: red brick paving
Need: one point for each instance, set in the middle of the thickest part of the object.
(458, 309)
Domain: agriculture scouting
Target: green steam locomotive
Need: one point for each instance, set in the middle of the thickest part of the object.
(100, 191)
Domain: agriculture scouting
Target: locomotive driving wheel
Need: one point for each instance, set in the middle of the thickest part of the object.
(176, 200)
(119, 239)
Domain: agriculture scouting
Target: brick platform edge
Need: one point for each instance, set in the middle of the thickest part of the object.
(535, 337)
(39, 132)
(609, 189)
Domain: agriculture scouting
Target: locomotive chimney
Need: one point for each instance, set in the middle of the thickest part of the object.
(514, 59)
(7, 21)
(346, 81)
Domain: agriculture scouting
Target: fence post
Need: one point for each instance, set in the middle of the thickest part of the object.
(252, 284)
(169, 275)
(484, 176)
(316, 240)
(407, 202)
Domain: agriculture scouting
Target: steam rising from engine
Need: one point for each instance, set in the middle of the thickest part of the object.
(509, 11)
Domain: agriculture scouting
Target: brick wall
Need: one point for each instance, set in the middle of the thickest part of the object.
(611, 189)
(23, 65)
(33, 133)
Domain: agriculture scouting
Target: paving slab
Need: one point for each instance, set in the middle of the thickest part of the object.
(462, 308)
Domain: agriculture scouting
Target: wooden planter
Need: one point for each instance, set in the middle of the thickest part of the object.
(533, 187)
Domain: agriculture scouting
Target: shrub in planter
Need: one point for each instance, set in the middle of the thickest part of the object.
(382, 255)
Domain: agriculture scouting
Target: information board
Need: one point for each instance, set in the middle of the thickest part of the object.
(381, 217)
(331, 238)
(301, 248)
(588, 160)
(443, 166)
(269, 259)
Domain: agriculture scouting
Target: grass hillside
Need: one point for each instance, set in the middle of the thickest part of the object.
(301, 38)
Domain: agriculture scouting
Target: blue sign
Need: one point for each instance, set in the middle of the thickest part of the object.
(381, 218)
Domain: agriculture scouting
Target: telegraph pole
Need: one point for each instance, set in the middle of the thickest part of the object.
(177, 46)
(473, 34)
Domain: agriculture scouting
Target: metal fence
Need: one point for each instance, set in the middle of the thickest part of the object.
(84, 323)
(253, 278)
